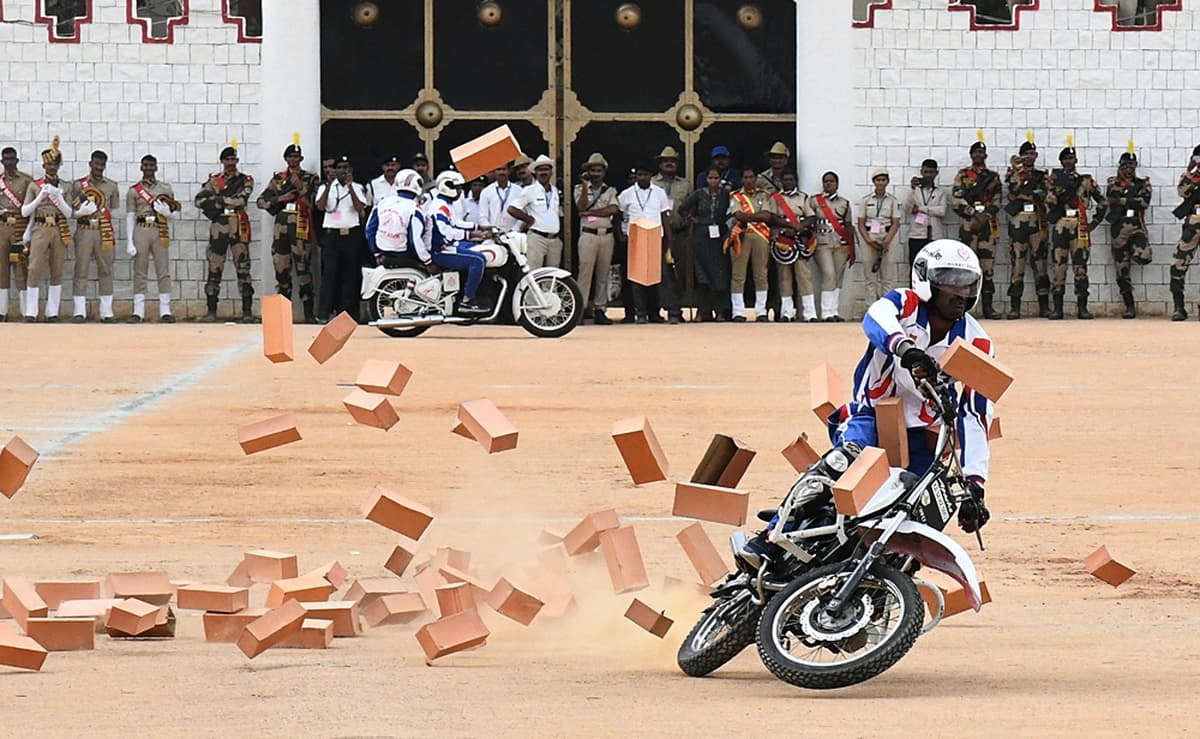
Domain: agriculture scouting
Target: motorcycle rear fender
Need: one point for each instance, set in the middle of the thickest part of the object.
(373, 277)
(933, 549)
(530, 280)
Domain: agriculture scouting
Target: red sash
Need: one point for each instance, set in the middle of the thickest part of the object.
(64, 228)
(748, 207)
(790, 215)
(838, 227)
(243, 219)
(303, 214)
(108, 237)
(164, 231)
(16, 201)
(1083, 234)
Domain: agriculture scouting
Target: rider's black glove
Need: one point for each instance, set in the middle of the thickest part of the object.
(973, 515)
(917, 362)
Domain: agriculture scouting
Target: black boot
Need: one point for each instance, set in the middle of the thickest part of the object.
(211, 316)
(1180, 314)
(600, 318)
(1084, 313)
(1044, 306)
(1130, 308)
(247, 309)
(309, 316)
(1057, 313)
(1014, 310)
(986, 300)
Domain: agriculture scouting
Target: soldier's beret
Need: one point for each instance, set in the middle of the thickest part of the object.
(292, 150)
(978, 146)
(228, 151)
(1067, 152)
(1027, 146)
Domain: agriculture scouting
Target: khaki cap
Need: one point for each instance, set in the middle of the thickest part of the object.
(597, 158)
(668, 152)
(521, 161)
(779, 149)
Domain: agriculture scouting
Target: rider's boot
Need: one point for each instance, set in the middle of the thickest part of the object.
(831, 465)
(473, 306)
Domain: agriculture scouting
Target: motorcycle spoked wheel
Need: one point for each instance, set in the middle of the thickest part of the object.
(803, 646)
(381, 305)
(561, 322)
(726, 628)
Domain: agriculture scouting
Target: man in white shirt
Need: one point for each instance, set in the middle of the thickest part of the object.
(385, 184)
(649, 201)
(344, 202)
(539, 207)
(927, 207)
(493, 202)
(470, 207)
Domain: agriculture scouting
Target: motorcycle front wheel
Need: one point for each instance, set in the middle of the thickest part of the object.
(381, 305)
(563, 316)
(726, 628)
(802, 643)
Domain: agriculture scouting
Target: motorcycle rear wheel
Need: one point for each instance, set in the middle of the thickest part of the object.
(726, 628)
(380, 306)
(561, 323)
(803, 646)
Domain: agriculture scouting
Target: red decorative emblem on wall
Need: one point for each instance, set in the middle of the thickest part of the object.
(1138, 20)
(247, 16)
(64, 19)
(868, 20)
(157, 18)
(986, 19)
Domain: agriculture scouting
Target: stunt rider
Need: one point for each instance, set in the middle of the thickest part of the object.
(913, 329)
(448, 241)
(396, 228)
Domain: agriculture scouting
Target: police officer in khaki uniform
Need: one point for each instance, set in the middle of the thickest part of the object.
(13, 186)
(597, 204)
(878, 225)
(793, 246)
(835, 243)
(748, 206)
(680, 260)
(49, 233)
(149, 205)
(289, 198)
(223, 200)
(771, 178)
(95, 237)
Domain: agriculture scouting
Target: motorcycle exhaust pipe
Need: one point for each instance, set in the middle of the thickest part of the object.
(417, 322)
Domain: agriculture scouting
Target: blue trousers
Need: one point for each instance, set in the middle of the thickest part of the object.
(473, 262)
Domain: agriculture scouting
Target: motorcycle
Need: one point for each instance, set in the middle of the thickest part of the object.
(404, 299)
(842, 604)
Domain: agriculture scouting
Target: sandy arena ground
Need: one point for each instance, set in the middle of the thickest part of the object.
(141, 470)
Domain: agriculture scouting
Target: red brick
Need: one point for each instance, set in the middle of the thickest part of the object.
(626, 568)
(383, 377)
(702, 554)
(724, 462)
(22, 601)
(315, 633)
(975, 369)
(861, 480)
(132, 616)
(239, 578)
(640, 450)
(645, 252)
(268, 434)
(16, 460)
(21, 652)
(63, 634)
(271, 628)
(461, 429)
(428, 580)
(649, 619)
(307, 588)
(585, 537)
(95, 608)
(1104, 566)
(800, 454)
(482, 154)
(405, 517)
(893, 430)
(401, 557)
(452, 634)
(711, 503)
(333, 572)
(954, 595)
(456, 558)
(343, 613)
(994, 431)
(217, 598)
(825, 388)
(488, 426)
(333, 337)
(511, 601)
(227, 627)
(364, 591)
(371, 410)
(151, 587)
(278, 342)
(265, 566)
(454, 597)
(397, 608)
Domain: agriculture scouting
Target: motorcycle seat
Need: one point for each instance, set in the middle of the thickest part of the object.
(766, 514)
(398, 261)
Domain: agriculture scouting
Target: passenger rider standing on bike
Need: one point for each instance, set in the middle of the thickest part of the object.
(912, 330)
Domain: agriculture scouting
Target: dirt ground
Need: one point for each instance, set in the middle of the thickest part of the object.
(141, 470)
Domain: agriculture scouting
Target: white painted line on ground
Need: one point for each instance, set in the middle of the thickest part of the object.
(101, 421)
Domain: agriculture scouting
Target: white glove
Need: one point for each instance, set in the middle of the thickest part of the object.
(86, 208)
(130, 249)
(161, 208)
(47, 189)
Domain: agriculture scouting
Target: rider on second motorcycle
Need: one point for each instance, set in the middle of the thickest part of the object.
(396, 227)
(911, 329)
(448, 240)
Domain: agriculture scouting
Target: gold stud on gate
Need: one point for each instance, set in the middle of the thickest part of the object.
(689, 117)
(429, 114)
(629, 16)
(365, 14)
(749, 17)
(489, 14)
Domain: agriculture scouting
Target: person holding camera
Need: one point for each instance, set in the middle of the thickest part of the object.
(927, 206)
(344, 202)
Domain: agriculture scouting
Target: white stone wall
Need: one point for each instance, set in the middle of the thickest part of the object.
(923, 83)
(181, 102)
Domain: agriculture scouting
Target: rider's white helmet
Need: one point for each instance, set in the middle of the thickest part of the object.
(449, 184)
(946, 263)
(407, 180)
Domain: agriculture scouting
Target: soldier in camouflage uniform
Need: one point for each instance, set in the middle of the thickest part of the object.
(1189, 212)
(1026, 210)
(288, 197)
(13, 262)
(976, 199)
(1067, 196)
(223, 201)
(1128, 199)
